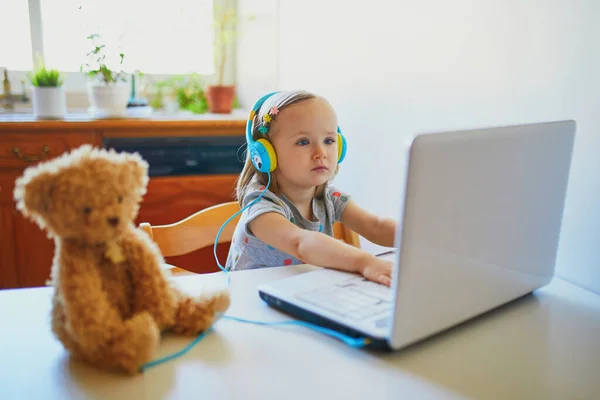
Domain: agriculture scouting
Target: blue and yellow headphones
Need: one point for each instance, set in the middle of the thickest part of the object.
(261, 152)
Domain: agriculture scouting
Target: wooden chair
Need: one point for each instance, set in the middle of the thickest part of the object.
(199, 230)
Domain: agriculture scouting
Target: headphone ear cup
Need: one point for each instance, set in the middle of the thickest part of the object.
(342, 147)
(270, 152)
(262, 155)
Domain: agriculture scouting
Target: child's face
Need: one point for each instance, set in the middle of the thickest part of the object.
(305, 141)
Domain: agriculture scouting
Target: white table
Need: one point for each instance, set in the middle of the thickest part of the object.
(545, 346)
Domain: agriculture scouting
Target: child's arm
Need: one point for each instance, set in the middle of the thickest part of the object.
(375, 229)
(319, 249)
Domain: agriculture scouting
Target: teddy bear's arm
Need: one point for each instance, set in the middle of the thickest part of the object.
(152, 290)
(90, 315)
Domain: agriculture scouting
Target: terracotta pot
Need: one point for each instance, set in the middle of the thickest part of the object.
(220, 99)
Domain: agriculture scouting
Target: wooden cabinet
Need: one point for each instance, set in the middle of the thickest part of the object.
(8, 259)
(25, 251)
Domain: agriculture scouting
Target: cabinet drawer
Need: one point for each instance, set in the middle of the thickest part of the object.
(25, 149)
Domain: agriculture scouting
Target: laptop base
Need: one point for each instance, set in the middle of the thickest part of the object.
(295, 311)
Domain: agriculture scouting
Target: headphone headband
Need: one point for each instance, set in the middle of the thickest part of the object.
(255, 109)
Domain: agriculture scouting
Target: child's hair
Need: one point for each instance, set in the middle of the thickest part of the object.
(281, 100)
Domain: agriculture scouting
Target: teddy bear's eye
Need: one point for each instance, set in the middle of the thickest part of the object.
(87, 210)
(120, 199)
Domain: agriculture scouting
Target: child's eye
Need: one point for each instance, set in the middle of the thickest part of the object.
(302, 142)
(120, 199)
(329, 140)
(87, 210)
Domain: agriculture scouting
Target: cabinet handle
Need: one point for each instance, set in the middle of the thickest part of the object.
(21, 156)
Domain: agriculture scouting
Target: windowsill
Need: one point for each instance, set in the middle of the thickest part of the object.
(25, 114)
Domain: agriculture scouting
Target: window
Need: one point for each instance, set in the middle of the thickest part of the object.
(156, 38)
(15, 36)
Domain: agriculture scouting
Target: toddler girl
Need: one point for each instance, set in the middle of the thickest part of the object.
(290, 220)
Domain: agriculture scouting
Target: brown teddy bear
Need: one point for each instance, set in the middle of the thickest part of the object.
(111, 297)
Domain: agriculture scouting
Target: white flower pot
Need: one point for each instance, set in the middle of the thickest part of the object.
(49, 102)
(108, 101)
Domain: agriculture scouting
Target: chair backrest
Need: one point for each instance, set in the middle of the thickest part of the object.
(200, 229)
(197, 231)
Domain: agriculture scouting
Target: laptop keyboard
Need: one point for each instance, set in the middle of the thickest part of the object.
(356, 298)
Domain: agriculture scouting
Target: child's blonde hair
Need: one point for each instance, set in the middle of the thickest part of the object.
(281, 100)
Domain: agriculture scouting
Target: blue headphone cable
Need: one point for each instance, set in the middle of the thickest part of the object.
(350, 341)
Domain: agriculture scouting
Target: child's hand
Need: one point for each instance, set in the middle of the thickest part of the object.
(379, 271)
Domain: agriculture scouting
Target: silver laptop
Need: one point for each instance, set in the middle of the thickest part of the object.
(478, 227)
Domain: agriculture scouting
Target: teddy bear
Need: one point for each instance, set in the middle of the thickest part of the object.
(111, 300)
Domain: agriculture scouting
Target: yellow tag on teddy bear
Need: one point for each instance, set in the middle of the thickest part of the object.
(114, 252)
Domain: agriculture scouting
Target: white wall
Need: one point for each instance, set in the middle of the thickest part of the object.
(257, 50)
(394, 68)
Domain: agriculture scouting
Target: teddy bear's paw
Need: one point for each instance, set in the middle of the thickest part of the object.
(221, 301)
(195, 315)
(139, 342)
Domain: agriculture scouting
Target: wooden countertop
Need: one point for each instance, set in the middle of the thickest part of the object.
(233, 124)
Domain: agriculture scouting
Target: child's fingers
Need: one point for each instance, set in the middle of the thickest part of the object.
(378, 276)
(367, 273)
(385, 280)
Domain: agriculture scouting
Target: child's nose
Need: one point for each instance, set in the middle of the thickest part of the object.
(319, 151)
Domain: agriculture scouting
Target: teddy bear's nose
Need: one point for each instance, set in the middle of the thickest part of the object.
(113, 221)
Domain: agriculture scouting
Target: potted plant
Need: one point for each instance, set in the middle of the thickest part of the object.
(220, 97)
(184, 92)
(108, 91)
(48, 93)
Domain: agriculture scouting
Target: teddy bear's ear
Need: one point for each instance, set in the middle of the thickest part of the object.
(33, 192)
(137, 169)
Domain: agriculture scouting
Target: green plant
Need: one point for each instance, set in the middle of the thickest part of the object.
(101, 70)
(42, 77)
(187, 89)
